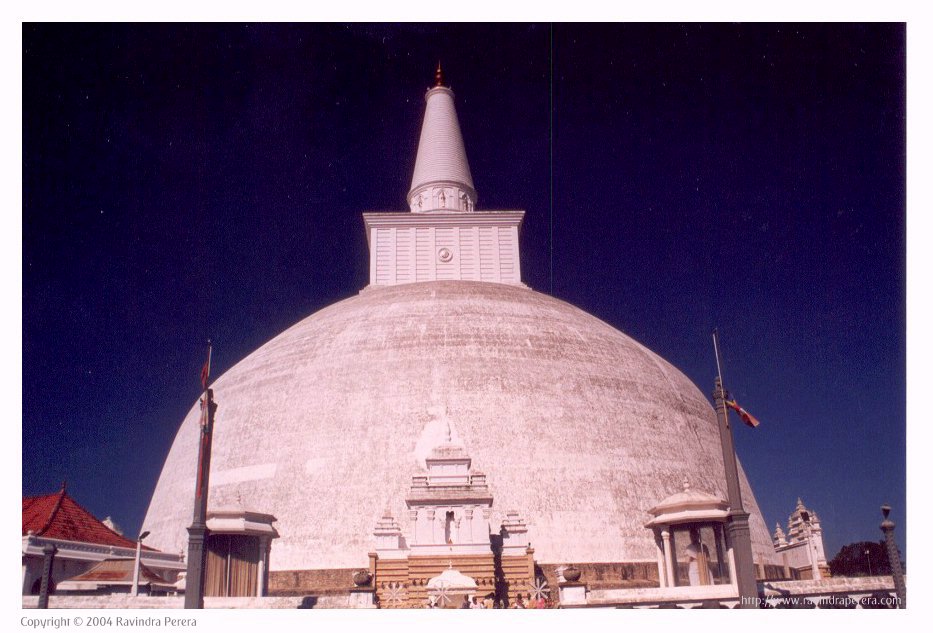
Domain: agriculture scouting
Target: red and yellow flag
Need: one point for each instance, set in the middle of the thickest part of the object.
(747, 417)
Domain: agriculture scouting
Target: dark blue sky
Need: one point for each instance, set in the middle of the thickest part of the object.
(182, 183)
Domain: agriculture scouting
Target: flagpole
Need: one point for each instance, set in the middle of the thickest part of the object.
(715, 349)
(198, 532)
(737, 527)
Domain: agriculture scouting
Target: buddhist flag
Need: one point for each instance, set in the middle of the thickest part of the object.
(747, 417)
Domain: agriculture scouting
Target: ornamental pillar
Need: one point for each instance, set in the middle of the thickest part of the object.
(668, 557)
(662, 573)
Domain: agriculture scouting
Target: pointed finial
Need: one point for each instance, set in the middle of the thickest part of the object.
(438, 75)
(64, 485)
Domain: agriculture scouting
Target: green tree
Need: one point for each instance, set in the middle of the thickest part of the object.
(863, 558)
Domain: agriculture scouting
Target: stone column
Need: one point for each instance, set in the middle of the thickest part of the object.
(468, 535)
(48, 558)
(431, 528)
(262, 571)
(662, 582)
(732, 579)
(668, 557)
(416, 526)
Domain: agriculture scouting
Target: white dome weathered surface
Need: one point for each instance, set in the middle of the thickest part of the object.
(578, 427)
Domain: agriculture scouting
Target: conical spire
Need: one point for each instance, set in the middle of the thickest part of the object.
(442, 179)
(779, 537)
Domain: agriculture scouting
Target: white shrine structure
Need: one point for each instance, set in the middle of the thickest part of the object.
(801, 547)
(451, 552)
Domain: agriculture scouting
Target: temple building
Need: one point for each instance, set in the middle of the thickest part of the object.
(82, 544)
(449, 429)
(449, 511)
(801, 547)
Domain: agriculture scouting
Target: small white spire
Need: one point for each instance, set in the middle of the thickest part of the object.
(442, 179)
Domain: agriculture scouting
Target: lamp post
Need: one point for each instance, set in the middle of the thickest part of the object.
(139, 547)
(737, 529)
(868, 558)
(197, 532)
(894, 559)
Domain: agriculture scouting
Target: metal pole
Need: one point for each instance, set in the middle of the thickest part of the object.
(197, 533)
(894, 559)
(45, 588)
(868, 556)
(737, 524)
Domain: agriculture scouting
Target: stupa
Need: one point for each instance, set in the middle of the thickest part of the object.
(577, 426)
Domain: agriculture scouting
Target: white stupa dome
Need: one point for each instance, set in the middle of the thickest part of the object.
(574, 423)
(579, 429)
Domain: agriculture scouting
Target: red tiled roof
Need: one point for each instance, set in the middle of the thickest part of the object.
(59, 516)
(119, 570)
